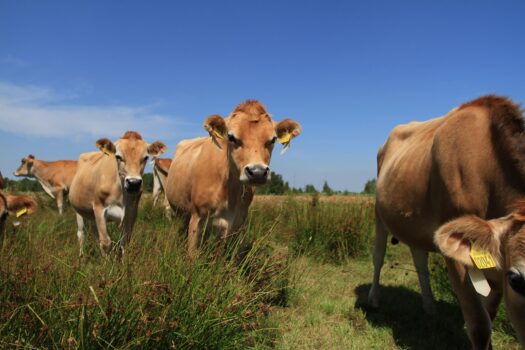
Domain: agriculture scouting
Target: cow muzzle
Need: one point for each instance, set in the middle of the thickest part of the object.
(133, 184)
(256, 174)
(516, 281)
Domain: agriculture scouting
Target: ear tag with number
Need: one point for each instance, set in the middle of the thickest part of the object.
(218, 134)
(482, 259)
(285, 138)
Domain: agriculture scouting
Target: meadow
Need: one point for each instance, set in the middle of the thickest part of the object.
(296, 277)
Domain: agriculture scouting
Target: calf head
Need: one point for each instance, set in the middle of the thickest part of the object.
(249, 135)
(504, 240)
(26, 167)
(131, 153)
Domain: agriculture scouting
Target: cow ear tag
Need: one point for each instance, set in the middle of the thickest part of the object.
(479, 281)
(482, 259)
(218, 134)
(285, 141)
(21, 212)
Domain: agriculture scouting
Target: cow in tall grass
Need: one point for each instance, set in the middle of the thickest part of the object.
(215, 177)
(470, 161)
(108, 186)
(54, 177)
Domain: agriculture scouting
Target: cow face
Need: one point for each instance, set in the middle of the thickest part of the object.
(131, 153)
(249, 135)
(26, 167)
(504, 240)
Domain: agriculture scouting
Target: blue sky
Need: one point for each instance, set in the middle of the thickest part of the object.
(72, 71)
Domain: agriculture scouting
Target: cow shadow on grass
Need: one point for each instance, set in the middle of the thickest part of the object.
(401, 310)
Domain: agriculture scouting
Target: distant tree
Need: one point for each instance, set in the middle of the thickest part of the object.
(310, 189)
(276, 185)
(370, 187)
(147, 182)
(23, 185)
(326, 189)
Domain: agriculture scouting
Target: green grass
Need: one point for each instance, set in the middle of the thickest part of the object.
(303, 285)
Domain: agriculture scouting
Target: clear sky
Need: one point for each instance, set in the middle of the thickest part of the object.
(348, 71)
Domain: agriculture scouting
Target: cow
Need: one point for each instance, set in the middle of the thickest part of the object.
(504, 240)
(55, 177)
(20, 204)
(108, 186)
(214, 177)
(470, 161)
(161, 167)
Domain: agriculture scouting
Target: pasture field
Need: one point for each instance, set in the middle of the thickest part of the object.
(302, 285)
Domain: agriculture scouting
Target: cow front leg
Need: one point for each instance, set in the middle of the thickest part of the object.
(194, 235)
(477, 319)
(80, 234)
(104, 240)
(420, 258)
(378, 259)
(60, 200)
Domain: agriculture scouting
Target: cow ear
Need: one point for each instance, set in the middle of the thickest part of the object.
(286, 130)
(216, 126)
(156, 148)
(106, 146)
(457, 238)
(30, 158)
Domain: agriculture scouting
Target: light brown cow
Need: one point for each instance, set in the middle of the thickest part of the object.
(55, 177)
(504, 240)
(214, 177)
(470, 161)
(108, 186)
(15, 203)
(160, 174)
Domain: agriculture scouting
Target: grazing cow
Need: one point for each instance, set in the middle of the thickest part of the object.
(160, 173)
(470, 161)
(108, 186)
(504, 240)
(214, 177)
(55, 177)
(17, 203)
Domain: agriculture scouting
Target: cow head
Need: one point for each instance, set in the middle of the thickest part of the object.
(249, 135)
(504, 240)
(26, 168)
(131, 153)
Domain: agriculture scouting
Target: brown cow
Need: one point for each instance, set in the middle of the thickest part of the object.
(504, 240)
(55, 177)
(215, 176)
(160, 174)
(15, 203)
(470, 161)
(108, 186)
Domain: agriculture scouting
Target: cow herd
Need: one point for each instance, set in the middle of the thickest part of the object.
(454, 184)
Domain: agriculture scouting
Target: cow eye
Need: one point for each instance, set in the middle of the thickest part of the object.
(119, 158)
(146, 158)
(273, 140)
(232, 138)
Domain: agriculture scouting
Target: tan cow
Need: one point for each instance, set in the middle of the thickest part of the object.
(470, 161)
(55, 177)
(504, 240)
(160, 174)
(108, 186)
(214, 177)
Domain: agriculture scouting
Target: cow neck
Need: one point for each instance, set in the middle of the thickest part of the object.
(39, 173)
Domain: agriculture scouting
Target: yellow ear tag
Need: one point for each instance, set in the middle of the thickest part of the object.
(482, 259)
(105, 151)
(216, 133)
(285, 138)
(21, 212)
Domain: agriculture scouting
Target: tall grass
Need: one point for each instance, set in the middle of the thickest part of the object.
(154, 299)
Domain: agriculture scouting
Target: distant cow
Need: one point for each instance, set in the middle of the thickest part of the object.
(16, 203)
(160, 174)
(470, 161)
(108, 186)
(55, 177)
(215, 176)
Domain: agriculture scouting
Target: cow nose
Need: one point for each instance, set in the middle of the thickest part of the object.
(516, 281)
(257, 173)
(133, 184)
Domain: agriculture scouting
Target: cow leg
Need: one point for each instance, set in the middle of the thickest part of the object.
(104, 240)
(167, 208)
(378, 259)
(60, 200)
(477, 319)
(194, 235)
(80, 234)
(420, 258)
(156, 188)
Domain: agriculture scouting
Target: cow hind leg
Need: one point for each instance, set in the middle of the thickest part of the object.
(60, 200)
(378, 259)
(80, 234)
(194, 235)
(420, 258)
